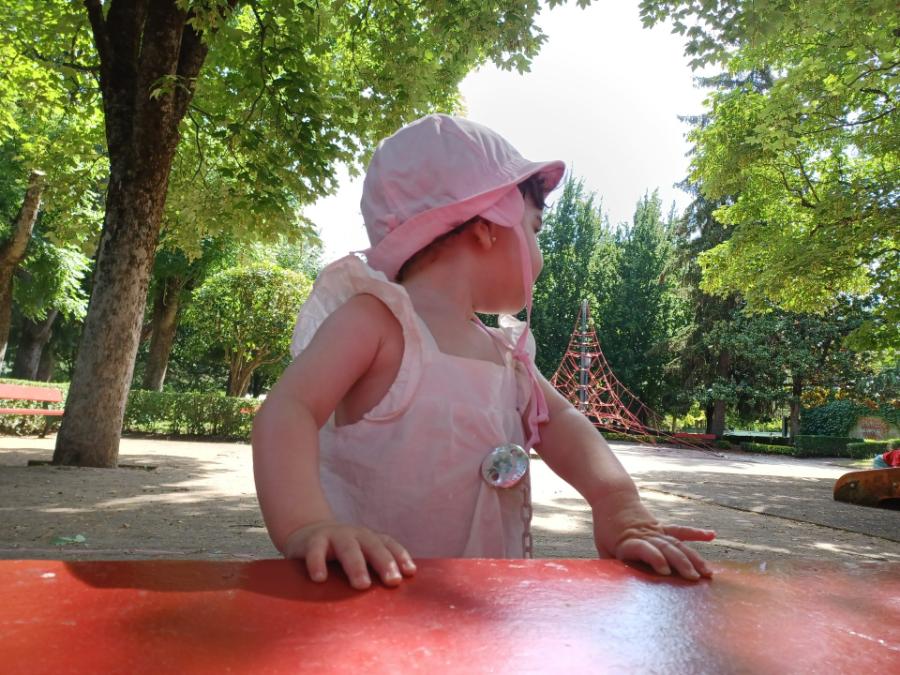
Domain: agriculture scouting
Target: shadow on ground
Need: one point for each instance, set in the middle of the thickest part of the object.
(806, 499)
(562, 527)
(199, 502)
(175, 509)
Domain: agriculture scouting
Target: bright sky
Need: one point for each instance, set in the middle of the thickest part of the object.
(604, 95)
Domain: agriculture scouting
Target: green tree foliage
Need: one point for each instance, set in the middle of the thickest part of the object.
(805, 140)
(636, 325)
(246, 315)
(50, 118)
(52, 278)
(774, 358)
(49, 278)
(50, 122)
(175, 277)
(625, 276)
(277, 91)
(702, 369)
(573, 242)
(812, 353)
(750, 365)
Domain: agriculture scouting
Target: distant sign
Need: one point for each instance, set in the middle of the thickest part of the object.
(874, 428)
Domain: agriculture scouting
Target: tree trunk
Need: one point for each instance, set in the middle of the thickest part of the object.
(240, 371)
(239, 379)
(34, 338)
(46, 366)
(13, 250)
(796, 393)
(256, 385)
(140, 44)
(166, 303)
(92, 424)
(715, 423)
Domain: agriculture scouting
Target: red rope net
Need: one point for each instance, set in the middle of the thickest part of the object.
(586, 380)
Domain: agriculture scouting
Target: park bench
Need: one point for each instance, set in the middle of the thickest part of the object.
(689, 436)
(24, 392)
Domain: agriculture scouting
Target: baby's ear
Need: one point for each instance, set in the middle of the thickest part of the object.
(483, 231)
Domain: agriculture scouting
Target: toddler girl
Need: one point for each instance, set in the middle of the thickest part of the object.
(402, 426)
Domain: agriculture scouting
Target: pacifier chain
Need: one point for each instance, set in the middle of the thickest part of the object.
(505, 467)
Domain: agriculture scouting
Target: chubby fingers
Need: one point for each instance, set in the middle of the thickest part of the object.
(316, 552)
(664, 553)
(689, 533)
(356, 549)
(686, 561)
(642, 550)
(387, 558)
(401, 555)
(348, 550)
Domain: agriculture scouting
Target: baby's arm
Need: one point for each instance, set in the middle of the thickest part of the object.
(285, 440)
(623, 527)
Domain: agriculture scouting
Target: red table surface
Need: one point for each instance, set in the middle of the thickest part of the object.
(456, 616)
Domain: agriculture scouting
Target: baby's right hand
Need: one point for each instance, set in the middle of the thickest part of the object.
(353, 547)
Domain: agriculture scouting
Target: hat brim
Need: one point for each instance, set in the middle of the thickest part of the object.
(413, 235)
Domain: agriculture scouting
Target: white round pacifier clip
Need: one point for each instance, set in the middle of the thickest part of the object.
(505, 467)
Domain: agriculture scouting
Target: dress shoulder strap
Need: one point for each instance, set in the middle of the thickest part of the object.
(334, 286)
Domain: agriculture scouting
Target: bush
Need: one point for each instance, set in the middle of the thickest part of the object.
(822, 446)
(738, 439)
(154, 412)
(634, 438)
(189, 413)
(722, 444)
(767, 448)
(805, 446)
(30, 425)
(837, 418)
(868, 449)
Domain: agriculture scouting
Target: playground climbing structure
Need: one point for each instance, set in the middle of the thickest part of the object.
(586, 380)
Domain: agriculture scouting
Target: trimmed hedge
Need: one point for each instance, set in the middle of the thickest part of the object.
(822, 446)
(189, 414)
(812, 446)
(30, 425)
(768, 448)
(868, 449)
(737, 439)
(152, 412)
(616, 436)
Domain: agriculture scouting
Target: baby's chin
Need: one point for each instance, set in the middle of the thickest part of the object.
(502, 305)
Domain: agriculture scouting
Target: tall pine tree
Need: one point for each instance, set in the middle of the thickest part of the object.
(636, 324)
(573, 235)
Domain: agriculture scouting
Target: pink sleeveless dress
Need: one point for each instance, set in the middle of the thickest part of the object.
(411, 467)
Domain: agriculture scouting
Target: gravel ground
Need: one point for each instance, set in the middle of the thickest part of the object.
(187, 499)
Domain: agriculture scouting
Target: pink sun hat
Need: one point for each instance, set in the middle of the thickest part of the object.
(435, 174)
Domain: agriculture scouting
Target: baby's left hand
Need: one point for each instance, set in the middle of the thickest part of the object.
(665, 550)
(633, 534)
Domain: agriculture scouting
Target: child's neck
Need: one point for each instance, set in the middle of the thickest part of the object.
(442, 296)
(442, 302)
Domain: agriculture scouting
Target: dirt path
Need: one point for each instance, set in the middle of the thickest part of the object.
(199, 502)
